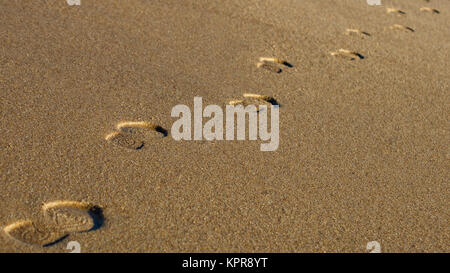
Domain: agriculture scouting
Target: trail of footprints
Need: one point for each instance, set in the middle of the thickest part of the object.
(134, 134)
(58, 220)
(61, 218)
(353, 55)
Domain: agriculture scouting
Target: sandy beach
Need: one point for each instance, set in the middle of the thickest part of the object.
(364, 120)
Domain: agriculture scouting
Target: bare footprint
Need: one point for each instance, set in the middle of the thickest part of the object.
(350, 31)
(347, 54)
(430, 10)
(395, 11)
(30, 233)
(401, 27)
(73, 216)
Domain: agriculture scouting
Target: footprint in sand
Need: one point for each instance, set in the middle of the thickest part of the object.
(133, 135)
(254, 99)
(395, 11)
(351, 31)
(60, 218)
(28, 232)
(73, 216)
(430, 10)
(272, 64)
(347, 54)
(401, 27)
(269, 67)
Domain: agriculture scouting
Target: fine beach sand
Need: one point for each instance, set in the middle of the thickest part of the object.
(364, 138)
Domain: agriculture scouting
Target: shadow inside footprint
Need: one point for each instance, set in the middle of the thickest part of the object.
(57, 241)
(140, 147)
(161, 130)
(273, 101)
(359, 56)
(97, 216)
(287, 64)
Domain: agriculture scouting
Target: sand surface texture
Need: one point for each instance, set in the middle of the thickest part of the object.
(364, 126)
